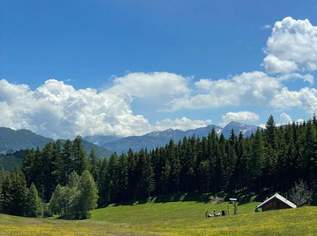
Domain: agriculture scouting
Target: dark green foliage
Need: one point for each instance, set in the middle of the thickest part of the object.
(76, 199)
(16, 198)
(14, 194)
(54, 164)
(12, 161)
(300, 194)
(79, 160)
(271, 160)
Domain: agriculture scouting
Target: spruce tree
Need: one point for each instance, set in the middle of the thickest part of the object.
(256, 161)
(14, 194)
(175, 167)
(145, 174)
(67, 164)
(33, 202)
(123, 180)
(87, 197)
(79, 160)
(93, 163)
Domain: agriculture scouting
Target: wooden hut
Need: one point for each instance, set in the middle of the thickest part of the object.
(275, 202)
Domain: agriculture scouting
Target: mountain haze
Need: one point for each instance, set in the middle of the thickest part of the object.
(16, 140)
(161, 138)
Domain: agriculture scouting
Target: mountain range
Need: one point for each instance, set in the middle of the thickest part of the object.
(160, 138)
(104, 145)
(16, 140)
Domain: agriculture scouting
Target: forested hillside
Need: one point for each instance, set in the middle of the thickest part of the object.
(272, 159)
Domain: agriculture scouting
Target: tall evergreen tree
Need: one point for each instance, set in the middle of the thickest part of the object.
(14, 194)
(256, 161)
(79, 158)
(34, 205)
(145, 172)
(93, 163)
(87, 197)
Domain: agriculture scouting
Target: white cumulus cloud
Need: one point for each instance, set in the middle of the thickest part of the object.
(56, 109)
(247, 88)
(157, 85)
(291, 47)
(305, 98)
(182, 123)
(242, 116)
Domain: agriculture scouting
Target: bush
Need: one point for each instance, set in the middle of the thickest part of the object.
(300, 194)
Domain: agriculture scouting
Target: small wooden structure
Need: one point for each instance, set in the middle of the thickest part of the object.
(234, 202)
(275, 202)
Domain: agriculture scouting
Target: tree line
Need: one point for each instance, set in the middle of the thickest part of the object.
(272, 159)
(54, 180)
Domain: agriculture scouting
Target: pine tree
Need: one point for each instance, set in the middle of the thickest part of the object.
(79, 160)
(33, 202)
(93, 163)
(102, 183)
(145, 184)
(112, 178)
(203, 177)
(67, 164)
(256, 161)
(132, 175)
(46, 181)
(175, 168)
(310, 155)
(123, 179)
(57, 164)
(87, 197)
(165, 175)
(14, 194)
(271, 132)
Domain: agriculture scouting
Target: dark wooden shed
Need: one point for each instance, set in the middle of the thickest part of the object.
(275, 202)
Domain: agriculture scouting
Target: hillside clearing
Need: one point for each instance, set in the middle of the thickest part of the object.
(175, 218)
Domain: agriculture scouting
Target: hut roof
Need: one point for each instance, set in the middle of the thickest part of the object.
(279, 197)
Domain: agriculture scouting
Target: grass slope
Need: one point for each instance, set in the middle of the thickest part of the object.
(176, 218)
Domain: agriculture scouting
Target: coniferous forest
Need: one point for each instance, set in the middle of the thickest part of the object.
(62, 179)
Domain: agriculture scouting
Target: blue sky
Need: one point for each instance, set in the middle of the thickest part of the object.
(88, 44)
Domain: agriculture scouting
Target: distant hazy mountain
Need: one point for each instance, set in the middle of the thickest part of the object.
(160, 138)
(237, 127)
(15, 140)
(99, 151)
(150, 140)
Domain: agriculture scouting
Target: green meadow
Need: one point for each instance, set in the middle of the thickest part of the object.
(173, 218)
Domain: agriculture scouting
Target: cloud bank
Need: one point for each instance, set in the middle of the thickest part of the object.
(57, 109)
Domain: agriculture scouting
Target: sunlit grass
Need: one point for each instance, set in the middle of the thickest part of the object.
(175, 218)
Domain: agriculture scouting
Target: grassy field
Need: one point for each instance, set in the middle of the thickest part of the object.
(175, 218)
